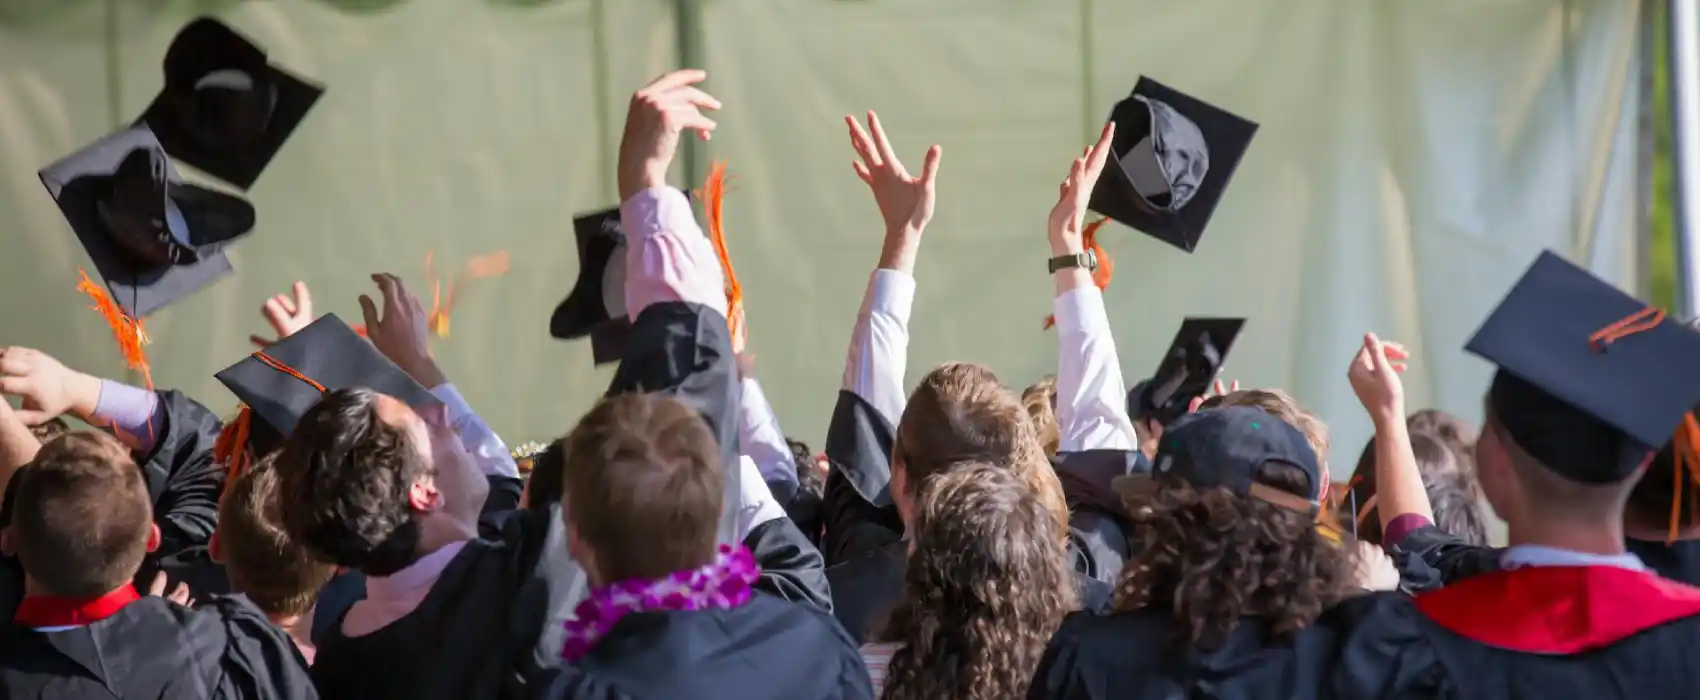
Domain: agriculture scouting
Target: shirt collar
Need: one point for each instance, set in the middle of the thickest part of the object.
(1526, 555)
(416, 578)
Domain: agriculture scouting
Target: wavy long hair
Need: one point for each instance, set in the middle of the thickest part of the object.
(1212, 558)
(987, 584)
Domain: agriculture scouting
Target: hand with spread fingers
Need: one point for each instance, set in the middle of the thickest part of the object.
(47, 387)
(658, 114)
(286, 314)
(402, 331)
(1374, 375)
(1067, 223)
(905, 201)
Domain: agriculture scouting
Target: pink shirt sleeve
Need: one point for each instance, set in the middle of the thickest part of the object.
(667, 256)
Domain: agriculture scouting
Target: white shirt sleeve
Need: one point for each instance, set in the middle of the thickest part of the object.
(487, 449)
(756, 504)
(760, 436)
(879, 345)
(1091, 399)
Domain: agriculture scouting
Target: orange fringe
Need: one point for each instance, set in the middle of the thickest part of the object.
(231, 447)
(443, 300)
(714, 207)
(130, 333)
(1106, 265)
(1686, 446)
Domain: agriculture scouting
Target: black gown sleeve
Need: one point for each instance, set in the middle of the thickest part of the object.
(258, 661)
(1057, 676)
(183, 481)
(857, 516)
(1099, 529)
(791, 567)
(1384, 652)
(1447, 558)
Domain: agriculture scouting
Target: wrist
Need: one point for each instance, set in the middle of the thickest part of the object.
(84, 394)
(1389, 418)
(900, 250)
(1060, 248)
(426, 372)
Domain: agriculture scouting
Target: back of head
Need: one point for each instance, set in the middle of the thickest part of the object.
(280, 576)
(1449, 477)
(642, 487)
(987, 567)
(1451, 429)
(1211, 558)
(82, 519)
(1040, 401)
(344, 479)
(959, 414)
(1281, 405)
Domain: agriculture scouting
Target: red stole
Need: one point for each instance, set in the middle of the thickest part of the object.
(1558, 609)
(54, 611)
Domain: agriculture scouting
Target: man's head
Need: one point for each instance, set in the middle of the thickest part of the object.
(1040, 400)
(642, 487)
(364, 479)
(961, 414)
(1525, 485)
(280, 576)
(82, 521)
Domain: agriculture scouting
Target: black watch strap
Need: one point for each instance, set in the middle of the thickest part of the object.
(1084, 260)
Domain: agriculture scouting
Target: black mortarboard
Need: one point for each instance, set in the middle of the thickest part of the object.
(327, 355)
(153, 238)
(1225, 447)
(596, 307)
(1194, 359)
(1590, 381)
(1174, 156)
(224, 109)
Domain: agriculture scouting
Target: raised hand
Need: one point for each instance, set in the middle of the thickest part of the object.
(1068, 218)
(905, 201)
(1374, 375)
(658, 114)
(179, 595)
(402, 332)
(286, 314)
(48, 388)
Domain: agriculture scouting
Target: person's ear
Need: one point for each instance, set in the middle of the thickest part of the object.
(153, 537)
(423, 496)
(214, 551)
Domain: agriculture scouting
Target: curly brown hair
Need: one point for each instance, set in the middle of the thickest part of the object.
(1213, 558)
(986, 586)
(1040, 401)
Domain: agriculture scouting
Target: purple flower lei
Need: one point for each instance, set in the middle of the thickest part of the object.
(722, 584)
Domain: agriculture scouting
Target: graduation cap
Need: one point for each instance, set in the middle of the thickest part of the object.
(224, 109)
(152, 238)
(1194, 359)
(596, 307)
(1225, 447)
(279, 384)
(1591, 381)
(1174, 155)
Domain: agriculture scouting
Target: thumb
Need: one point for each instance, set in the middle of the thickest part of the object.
(930, 168)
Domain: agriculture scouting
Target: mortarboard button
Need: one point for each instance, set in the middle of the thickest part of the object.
(224, 109)
(152, 238)
(1591, 381)
(282, 382)
(1193, 361)
(1175, 155)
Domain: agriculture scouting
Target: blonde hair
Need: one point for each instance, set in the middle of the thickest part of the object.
(1040, 402)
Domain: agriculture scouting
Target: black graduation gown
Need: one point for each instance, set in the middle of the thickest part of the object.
(867, 588)
(1594, 632)
(765, 649)
(1099, 530)
(857, 515)
(152, 648)
(1677, 561)
(1130, 655)
(1452, 559)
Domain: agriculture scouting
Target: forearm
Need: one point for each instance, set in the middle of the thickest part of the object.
(1399, 484)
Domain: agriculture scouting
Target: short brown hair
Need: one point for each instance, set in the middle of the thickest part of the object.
(344, 476)
(986, 567)
(643, 486)
(1210, 559)
(960, 414)
(1040, 400)
(82, 517)
(260, 559)
(1449, 477)
(1281, 405)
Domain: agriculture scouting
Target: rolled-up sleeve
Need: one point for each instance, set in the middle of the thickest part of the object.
(667, 256)
(486, 447)
(879, 345)
(1091, 398)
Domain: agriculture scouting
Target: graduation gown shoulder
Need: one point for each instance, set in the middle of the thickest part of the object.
(766, 649)
(1446, 558)
(155, 649)
(182, 480)
(857, 515)
(1099, 529)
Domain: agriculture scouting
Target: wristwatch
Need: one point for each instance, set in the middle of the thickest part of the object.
(1085, 260)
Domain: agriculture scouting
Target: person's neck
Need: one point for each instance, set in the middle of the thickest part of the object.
(1602, 536)
(441, 531)
(298, 627)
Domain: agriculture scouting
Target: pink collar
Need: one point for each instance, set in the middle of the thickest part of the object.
(722, 584)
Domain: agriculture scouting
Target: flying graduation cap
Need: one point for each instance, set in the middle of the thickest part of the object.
(224, 108)
(1174, 156)
(1194, 359)
(152, 238)
(1591, 381)
(596, 307)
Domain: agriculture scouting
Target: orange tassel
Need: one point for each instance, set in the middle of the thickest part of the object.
(442, 300)
(1106, 265)
(1686, 449)
(231, 447)
(714, 203)
(129, 332)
